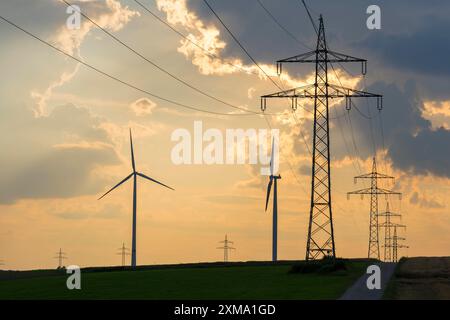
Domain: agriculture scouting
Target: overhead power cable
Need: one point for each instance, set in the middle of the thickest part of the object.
(128, 84)
(310, 17)
(256, 64)
(281, 26)
(209, 53)
(240, 44)
(154, 64)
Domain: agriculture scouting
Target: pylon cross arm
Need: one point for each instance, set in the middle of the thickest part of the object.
(374, 191)
(322, 91)
(310, 57)
(334, 91)
(331, 57)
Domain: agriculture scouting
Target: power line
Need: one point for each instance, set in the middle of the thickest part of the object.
(373, 191)
(278, 86)
(369, 117)
(254, 61)
(210, 54)
(243, 48)
(320, 231)
(130, 85)
(310, 17)
(239, 44)
(357, 168)
(281, 26)
(173, 76)
(337, 117)
(372, 136)
(333, 118)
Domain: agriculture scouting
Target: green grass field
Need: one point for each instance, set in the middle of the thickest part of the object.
(234, 282)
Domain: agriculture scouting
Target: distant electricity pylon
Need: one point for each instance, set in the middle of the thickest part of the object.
(388, 225)
(134, 174)
(396, 245)
(226, 247)
(60, 256)
(320, 241)
(123, 252)
(373, 191)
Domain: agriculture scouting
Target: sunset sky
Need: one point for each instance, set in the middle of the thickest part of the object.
(64, 128)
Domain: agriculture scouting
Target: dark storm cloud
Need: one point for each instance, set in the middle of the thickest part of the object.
(413, 145)
(423, 51)
(38, 162)
(426, 152)
(345, 23)
(62, 173)
(413, 36)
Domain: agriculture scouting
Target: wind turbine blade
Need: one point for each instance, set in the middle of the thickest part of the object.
(132, 153)
(128, 177)
(156, 181)
(269, 186)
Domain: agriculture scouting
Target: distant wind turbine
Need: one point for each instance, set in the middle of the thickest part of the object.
(134, 174)
(273, 179)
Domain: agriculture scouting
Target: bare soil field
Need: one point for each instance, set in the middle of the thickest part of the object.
(421, 278)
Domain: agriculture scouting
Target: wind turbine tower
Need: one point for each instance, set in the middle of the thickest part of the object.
(273, 180)
(226, 247)
(134, 174)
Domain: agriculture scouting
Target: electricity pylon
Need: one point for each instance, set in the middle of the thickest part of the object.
(388, 225)
(373, 191)
(226, 247)
(395, 245)
(60, 256)
(320, 241)
(123, 252)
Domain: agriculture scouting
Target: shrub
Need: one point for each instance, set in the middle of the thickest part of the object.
(326, 265)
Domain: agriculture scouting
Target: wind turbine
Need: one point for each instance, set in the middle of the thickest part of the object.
(134, 174)
(273, 179)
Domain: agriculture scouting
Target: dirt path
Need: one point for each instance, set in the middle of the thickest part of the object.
(359, 290)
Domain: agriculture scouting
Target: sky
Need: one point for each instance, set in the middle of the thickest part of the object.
(64, 128)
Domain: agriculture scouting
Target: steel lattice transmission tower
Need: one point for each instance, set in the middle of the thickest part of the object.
(123, 251)
(226, 247)
(320, 240)
(60, 256)
(388, 225)
(373, 191)
(396, 245)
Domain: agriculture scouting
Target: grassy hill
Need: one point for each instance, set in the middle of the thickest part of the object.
(195, 281)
